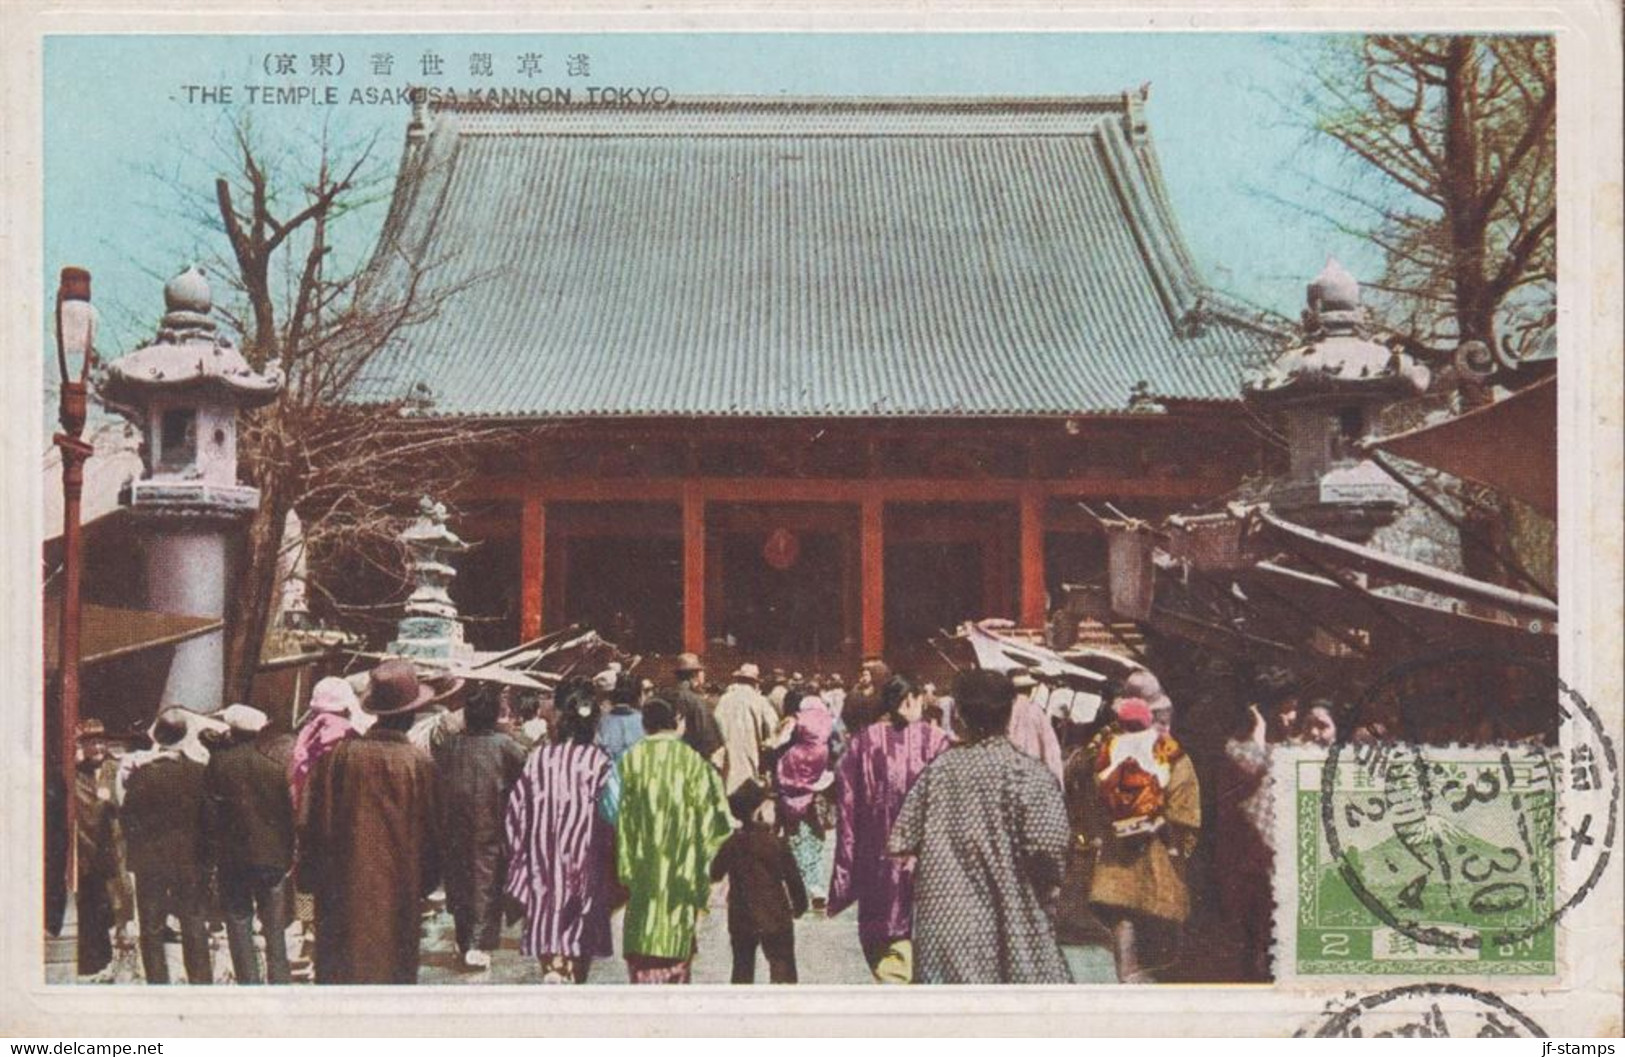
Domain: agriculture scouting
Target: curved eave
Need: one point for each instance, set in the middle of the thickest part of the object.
(136, 391)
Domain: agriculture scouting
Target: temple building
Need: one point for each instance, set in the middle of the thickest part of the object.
(818, 377)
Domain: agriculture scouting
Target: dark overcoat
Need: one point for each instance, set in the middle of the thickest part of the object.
(700, 726)
(162, 816)
(249, 808)
(369, 850)
(475, 772)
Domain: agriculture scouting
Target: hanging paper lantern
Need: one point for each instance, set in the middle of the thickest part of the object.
(782, 548)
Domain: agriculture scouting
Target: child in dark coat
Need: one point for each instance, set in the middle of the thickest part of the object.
(765, 892)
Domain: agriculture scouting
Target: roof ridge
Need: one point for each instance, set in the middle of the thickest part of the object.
(1114, 102)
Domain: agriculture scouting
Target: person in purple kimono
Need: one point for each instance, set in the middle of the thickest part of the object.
(880, 766)
(802, 773)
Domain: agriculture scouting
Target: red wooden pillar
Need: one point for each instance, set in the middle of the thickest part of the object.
(532, 541)
(693, 568)
(1033, 609)
(872, 572)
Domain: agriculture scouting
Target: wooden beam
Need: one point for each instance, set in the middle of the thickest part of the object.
(839, 490)
(1033, 608)
(532, 536)
(694, 568)
(872, 573)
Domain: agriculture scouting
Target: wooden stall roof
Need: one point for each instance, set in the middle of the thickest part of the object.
(109, 632)
(1510, 445)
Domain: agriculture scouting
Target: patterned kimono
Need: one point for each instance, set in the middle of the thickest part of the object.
(557, 849)
(671, 816)
(801, 767)
(989, 827)
(879, 768)
(1135, 798)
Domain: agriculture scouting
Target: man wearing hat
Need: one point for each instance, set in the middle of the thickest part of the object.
(103, 900)
(162, 815)
(701, 733)
(746, 722)
(249, 810)
(369, 844)
(778, 684)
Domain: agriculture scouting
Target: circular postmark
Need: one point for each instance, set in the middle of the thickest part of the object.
(1491, 814)
(1430, 1011)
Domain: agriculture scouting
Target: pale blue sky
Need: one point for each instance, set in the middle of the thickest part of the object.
(116, 116)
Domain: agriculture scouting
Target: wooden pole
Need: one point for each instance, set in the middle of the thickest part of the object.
(1033, 608)
(74, 453)
(532, 538)
(872, 572)
(693, 568)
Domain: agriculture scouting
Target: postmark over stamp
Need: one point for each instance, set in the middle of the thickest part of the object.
(1409, 858)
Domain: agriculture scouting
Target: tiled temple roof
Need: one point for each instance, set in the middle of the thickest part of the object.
(800, 258)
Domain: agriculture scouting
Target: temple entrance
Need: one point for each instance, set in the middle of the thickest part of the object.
(618, 568)
(782, 581)
(794, 610)
(931, 587)
(946, 563)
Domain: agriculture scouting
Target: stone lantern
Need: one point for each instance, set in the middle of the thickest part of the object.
(430, 626)
(1330, 393)
(183, 392)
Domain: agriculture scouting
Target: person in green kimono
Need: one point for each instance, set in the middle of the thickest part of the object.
(670, 817)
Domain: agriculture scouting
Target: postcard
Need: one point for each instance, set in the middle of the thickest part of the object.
(1056, 512)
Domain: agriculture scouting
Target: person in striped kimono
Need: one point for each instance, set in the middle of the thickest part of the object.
(559, 847)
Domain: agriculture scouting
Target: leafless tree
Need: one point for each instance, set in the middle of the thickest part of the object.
(1456, 140)
(348, 454)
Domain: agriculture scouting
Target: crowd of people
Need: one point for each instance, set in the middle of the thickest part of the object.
(956, 821)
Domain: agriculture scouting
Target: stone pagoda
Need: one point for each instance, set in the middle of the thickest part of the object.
(430, 627)
(184, 392)
(1330, 393)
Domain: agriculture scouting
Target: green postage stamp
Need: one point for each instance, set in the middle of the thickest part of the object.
(1399, 861)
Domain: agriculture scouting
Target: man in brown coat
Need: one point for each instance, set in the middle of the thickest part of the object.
(369, 845)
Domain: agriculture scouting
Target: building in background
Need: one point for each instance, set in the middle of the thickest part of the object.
(821, 377)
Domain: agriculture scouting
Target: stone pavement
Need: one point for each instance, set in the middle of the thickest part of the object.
(827, 952)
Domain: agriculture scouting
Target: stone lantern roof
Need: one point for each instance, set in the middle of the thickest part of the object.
(1340, 361)
(188, 356)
